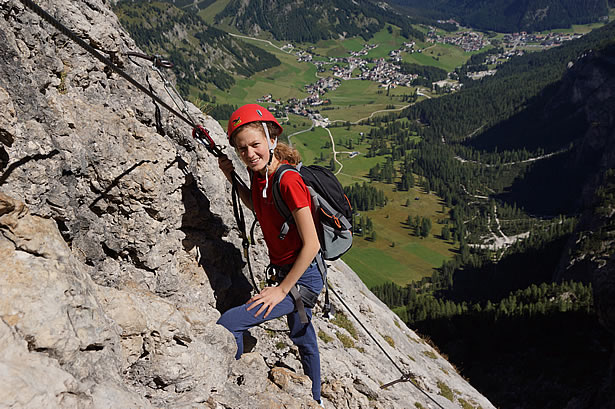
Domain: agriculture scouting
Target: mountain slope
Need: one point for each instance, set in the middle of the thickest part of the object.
(516, 115)
(302, 21)
(202, 54)
(555, 283)
(510, 15)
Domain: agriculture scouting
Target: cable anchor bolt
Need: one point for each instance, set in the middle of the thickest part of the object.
(407, 377)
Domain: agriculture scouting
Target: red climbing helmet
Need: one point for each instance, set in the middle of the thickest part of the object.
(249, 113)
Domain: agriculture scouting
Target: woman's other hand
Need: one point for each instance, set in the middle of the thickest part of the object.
(268, 298)
(226, 166)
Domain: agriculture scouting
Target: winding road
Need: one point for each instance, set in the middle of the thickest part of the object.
(264, 41)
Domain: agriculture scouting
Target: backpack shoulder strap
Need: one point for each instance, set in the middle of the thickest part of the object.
(280, 205)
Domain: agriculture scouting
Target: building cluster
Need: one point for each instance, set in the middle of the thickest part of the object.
(476, 75)
(366, 49)
(395, 55)
(304, 56)
(323, 85)
(494, 59)
(446, 86)
(450, 21)
(378, 70)
(387, 74)
(467, 40)
(523, 39)
(305, 106)
(319, 88)
(269, 99)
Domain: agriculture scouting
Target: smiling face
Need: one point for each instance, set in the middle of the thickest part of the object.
(253, 149)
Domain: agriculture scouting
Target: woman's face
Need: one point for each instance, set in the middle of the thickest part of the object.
(251, 144)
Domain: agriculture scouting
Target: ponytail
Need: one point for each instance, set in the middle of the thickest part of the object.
(284, 152)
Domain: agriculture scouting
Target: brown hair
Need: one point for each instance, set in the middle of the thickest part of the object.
(283, 152)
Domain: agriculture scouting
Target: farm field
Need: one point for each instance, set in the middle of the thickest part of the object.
(284, 81)
(445, 56)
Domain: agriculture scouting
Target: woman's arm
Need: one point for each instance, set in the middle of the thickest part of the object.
(271, 296)
(227, 167)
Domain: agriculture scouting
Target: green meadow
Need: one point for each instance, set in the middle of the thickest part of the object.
(210, 12)
(445, 56)
(396, 254)
(285, 81)
(311, 144)
(387, 42)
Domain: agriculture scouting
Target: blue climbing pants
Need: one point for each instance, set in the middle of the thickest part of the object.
(238, 320)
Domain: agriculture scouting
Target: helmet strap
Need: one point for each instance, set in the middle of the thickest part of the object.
(272, 147)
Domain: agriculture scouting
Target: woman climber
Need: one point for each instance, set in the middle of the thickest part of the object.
(253, 132)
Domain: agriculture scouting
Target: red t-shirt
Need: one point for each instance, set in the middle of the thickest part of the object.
(296, 195)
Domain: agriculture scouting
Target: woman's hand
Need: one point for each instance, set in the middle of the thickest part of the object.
(226, 166)
(268, 298)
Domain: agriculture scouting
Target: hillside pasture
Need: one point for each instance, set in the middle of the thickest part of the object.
(410, 257)
(310, 144)
(387, 42)
(209, 13)
(285, 81)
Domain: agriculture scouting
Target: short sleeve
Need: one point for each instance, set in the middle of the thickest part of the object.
(294, 191)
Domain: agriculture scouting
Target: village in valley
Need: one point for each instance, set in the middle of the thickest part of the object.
(386, 71)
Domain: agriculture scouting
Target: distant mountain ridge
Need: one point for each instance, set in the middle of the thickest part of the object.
(301, 21)
(202, 54)
(509, 15)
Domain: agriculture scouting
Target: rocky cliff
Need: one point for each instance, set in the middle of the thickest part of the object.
(118, 251)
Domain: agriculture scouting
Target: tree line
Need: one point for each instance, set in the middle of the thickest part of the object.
(364, 197)
(322, 20)
(511, 16)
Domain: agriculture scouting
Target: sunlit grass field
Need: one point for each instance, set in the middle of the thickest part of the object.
(398, 255)
(285, 81)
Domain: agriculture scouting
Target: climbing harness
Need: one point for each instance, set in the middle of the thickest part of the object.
(202, 136)
(198, 131)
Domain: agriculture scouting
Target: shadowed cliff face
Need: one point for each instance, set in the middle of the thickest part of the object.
(119, 251)
(590, 84)
(590, 253)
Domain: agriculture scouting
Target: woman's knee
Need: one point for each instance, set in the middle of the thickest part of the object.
(231, 319)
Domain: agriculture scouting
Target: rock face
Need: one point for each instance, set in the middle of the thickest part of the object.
(119, 252)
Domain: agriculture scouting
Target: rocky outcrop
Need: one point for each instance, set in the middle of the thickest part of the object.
(119, 252)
